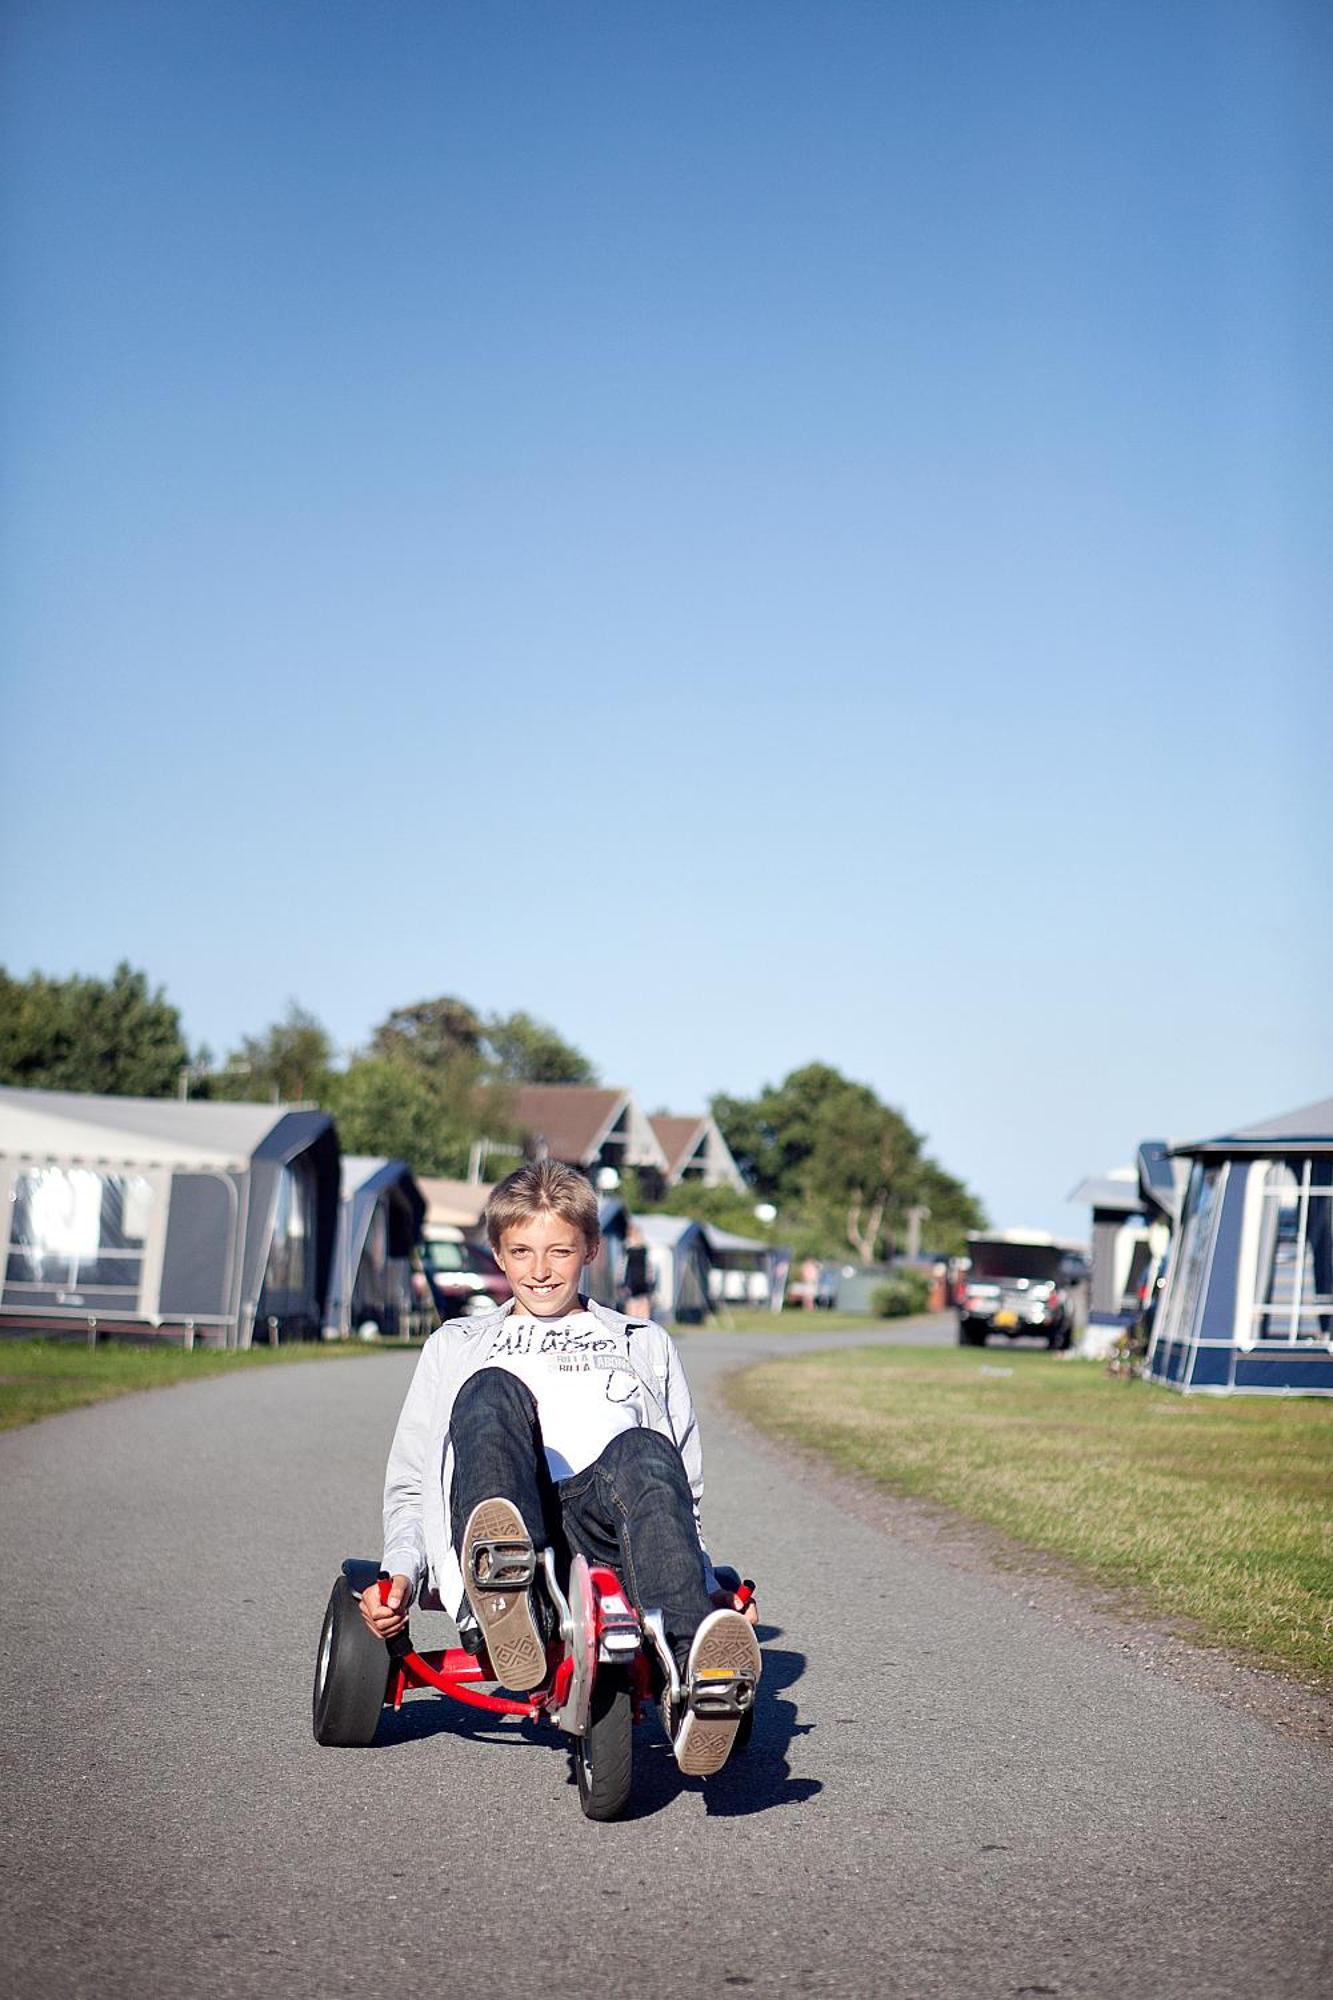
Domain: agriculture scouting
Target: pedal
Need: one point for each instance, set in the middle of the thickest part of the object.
(505, 1566)
(718, 1696)
(621, 1638)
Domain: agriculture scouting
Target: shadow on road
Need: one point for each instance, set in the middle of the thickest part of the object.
(757, 1779)
(426, 1715)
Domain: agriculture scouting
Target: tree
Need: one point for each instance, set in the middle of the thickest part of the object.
(722, 1206)
(522, 1050)
(952, 1210)
(864, 1166)
(842, 1167)
(433, 1033)
(290, 1063)
(112, 1037)
(392, 1110)
(424, 1090)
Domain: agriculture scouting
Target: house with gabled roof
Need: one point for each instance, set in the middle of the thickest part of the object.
(696, 1151)
(589, 1126)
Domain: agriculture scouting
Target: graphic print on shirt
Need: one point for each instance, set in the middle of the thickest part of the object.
(569, 1347)
(580, 1373)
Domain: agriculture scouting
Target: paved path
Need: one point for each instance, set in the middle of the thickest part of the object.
(947, 1795)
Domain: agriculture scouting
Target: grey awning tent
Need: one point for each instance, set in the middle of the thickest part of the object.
(1307, 1130)
(380, 1216)
(1248, 1301)
(603, 1277)
(1115, 1193)
(680, 1262)
(1121, 1253)
(742, 1267)
(147, 1215)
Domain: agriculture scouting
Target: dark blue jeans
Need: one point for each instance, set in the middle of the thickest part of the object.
(631, 1509)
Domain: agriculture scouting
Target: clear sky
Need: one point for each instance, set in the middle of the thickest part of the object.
(757, 532)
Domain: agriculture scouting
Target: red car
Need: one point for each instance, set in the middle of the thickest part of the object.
(464, 1278)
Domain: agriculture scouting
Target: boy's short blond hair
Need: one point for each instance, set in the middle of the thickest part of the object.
(543, 1186)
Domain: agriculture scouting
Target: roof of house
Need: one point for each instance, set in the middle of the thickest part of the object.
(1116, 1190)
(724, 1240)
(573, 1118)
(363, 1171)
(669, 1230)
(677, 1137)
(455, 1204)
(1309, 1128)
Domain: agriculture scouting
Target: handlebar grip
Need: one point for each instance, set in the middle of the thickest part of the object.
(746, 1591)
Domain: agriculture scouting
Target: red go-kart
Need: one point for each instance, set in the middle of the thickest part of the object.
(606, 1668)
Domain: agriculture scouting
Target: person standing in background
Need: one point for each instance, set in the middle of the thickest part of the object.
(637, 1284)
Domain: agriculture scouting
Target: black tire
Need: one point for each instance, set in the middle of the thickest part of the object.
(351, 1675)
(604, 1758)
(971, 1333)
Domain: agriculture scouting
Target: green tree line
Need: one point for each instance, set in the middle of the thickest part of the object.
(846, 1173)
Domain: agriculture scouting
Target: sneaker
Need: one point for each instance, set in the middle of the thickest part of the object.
(718, 1685)
(499, 1565)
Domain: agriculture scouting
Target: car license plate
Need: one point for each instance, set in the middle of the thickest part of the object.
(1006, 1319)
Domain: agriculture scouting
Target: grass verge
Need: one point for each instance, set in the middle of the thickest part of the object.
(760, 1319)
(1216, 1514)
(39, 1378)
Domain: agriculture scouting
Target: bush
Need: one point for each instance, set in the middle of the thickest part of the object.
(905, 1292)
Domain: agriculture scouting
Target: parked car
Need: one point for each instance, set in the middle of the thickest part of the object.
(1019, 1283)
(464, 1277)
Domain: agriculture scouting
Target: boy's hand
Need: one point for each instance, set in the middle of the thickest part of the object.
(387, 1618)
(727, 1600)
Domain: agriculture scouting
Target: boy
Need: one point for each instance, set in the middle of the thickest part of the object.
(550, 1420)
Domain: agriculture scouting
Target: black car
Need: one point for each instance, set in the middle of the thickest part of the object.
(1018, 1285)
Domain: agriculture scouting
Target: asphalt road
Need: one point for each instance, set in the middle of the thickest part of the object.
(947, 1794)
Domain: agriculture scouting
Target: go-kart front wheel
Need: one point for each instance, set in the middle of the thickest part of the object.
(604, 1755)
(351, 1675)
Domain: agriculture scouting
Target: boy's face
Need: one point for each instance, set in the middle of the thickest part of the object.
(543, 1258)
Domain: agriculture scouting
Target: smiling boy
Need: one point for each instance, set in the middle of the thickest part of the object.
(556, 1421)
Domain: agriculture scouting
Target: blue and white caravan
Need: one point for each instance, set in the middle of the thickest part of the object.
(1248, 1304)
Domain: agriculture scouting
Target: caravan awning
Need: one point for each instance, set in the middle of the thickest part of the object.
(51, 1125)
(1307, 1130)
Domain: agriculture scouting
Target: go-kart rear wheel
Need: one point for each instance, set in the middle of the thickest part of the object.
(604, 1756)
(351, 1675)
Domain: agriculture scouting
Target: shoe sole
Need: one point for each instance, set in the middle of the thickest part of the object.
(724, 1645)
(514, 1646)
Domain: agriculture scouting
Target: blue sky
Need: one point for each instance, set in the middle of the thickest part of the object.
(756, 532)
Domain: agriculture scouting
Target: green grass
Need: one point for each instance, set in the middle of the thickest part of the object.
(758, 1319)
(1215, 1514)
(39, 1378)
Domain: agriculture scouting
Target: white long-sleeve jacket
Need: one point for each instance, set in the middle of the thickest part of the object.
(419, 1474)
